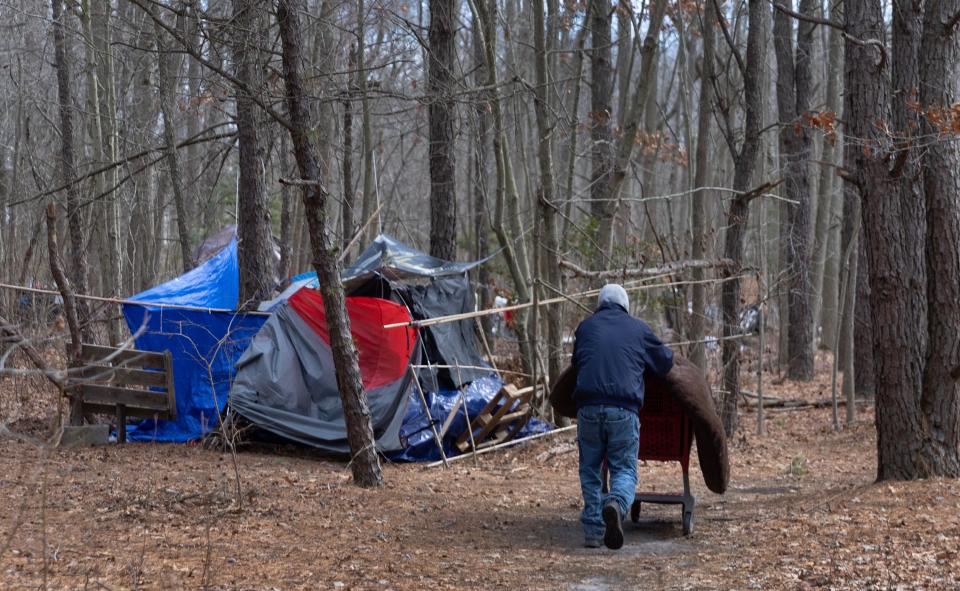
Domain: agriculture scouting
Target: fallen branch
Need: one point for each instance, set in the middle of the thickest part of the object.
(797, 403)
(668, 268)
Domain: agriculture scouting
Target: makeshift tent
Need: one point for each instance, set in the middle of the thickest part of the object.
(286, 382)
(204, 344)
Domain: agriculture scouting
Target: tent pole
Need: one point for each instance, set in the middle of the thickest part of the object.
(486, 346)
(426, 409)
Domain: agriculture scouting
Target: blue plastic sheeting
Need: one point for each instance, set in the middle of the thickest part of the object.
(214, 284)
(204, 345)
(420, 444)
(308, 275)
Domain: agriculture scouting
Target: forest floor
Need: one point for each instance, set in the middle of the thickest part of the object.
(802, 511)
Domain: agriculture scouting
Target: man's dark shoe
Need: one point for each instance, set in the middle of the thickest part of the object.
(613, 536)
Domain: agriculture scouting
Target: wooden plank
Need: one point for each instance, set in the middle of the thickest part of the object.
(119, 376)
(446, 423)
(132, 399)
(128, 357)
(111, 409)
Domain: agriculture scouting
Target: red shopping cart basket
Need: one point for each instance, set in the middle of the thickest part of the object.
(665, 436)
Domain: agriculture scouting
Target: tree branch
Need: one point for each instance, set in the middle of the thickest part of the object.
(726, 35)
(646, 272)
(188, 47)
(806, 17)
(842, 28)
(197, 139)
(12, 335)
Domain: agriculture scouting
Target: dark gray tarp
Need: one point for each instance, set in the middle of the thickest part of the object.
(286, 384)
(451, 343)
(396, 261)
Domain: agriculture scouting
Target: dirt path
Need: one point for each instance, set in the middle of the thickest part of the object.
(802, 512)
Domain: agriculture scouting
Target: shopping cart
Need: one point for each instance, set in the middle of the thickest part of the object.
(665, 436)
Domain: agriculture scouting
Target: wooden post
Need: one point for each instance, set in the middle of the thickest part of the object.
(466, 413)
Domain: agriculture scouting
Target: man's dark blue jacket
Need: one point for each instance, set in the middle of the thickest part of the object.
(611, 352)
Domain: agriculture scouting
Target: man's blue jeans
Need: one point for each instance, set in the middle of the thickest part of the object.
(614, 433)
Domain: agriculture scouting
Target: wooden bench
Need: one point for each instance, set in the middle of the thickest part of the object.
(125, 382)
(496, 425)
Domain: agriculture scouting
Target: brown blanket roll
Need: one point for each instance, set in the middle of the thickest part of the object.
(689, 387)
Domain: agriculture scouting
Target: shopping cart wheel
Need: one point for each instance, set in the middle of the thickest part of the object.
(687, 523)
(635, 511)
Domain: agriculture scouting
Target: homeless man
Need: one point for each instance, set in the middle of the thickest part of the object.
(611, 352)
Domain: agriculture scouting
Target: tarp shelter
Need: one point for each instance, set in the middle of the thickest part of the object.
(286, 383)
(204, 344)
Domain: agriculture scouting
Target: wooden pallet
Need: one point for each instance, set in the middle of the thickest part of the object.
(500, 420)
(125, 382)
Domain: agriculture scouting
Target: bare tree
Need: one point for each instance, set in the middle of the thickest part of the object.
(365, 464)
(78, 249)
(440, 80)
(745, 164)
(794, 81)
(601, 121)
(254, 238)
(940, 397)
(698, 208)
(168, 69)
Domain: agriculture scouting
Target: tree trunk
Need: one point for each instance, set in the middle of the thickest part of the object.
(347, 222)
(698, 207)
(481, 223)
(897, 347)
(287, 225)
(506, 194)
(102, 34)
(78, 248)
(440, 81)
(546, 206)
(601, 124)
(254, 237)
(630, 125)
(70, 311)
(366, 134)
(825, 277)
(364, 464)
(744, 165)
(793, 99)
(940, 398)
(167, 74)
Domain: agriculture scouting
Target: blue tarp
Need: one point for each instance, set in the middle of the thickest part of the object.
(204, 345)
(420, 445)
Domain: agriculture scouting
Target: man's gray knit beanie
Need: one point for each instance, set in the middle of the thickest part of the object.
(615, 294)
